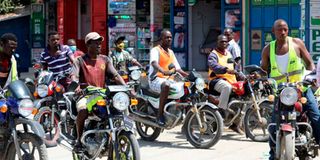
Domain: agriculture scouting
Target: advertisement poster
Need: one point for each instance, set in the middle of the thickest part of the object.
(315, 44)
(256, 43)
(231, 18)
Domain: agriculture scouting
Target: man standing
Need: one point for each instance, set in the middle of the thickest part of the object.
(285, 60)
(8, 64)
(121, 58)
(222, 75)
(161, 57)
(57, 58)
(91, 69)
(233, 47)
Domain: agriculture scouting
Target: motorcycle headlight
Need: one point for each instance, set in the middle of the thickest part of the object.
(200, 84)
(42, 90)
(120, 101)
(25, 107)
(289, 96)
(135, 75)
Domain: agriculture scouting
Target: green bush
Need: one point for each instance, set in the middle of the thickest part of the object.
(6, 6)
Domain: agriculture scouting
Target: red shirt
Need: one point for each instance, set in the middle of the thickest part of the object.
(92, 71)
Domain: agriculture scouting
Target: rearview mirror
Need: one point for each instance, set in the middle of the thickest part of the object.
(171, 66)
(230, 60)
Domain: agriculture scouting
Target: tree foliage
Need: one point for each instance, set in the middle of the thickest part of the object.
(7, 6)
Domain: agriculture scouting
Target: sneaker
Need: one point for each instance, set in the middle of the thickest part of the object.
(78, 148)
(161, 121)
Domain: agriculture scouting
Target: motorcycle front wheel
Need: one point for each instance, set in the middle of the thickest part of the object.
(32, 147)
(128, 147)
(209, 134)
(52, 134)
(254, 130)
(146, 132)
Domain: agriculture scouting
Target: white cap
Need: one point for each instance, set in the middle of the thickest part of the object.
(93, 36)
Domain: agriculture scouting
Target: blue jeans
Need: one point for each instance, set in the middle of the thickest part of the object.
(313, 114)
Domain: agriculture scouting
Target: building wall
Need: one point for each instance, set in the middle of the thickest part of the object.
(204, 16)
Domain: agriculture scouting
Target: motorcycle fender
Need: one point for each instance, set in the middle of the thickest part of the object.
(203, 104)
(37, 103)
(35, 126)
(286, 127)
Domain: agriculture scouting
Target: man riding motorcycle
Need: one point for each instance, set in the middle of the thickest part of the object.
(120, 57)
(161, 57)
(284, 61)
(222, 75)
(8, 64)
(91, 69)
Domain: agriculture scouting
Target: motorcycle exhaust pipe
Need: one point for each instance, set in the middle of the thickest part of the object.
(145, 121)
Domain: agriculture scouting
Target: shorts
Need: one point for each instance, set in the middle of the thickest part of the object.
(155, 85)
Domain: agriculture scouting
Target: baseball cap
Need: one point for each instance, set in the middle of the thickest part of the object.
(121, 38)
(93, 36)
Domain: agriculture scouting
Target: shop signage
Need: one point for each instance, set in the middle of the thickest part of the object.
(37, 25)
(315, 40)
(192, 2)
(315, 14)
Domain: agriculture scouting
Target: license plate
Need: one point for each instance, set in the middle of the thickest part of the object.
(128, 123)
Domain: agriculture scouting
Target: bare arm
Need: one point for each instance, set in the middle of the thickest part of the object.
(115, 74)
(183, 73)
(136, 63)
(265, 59)
(305, 55)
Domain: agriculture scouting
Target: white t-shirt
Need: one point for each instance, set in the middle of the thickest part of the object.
(154, 56)
(282, 62)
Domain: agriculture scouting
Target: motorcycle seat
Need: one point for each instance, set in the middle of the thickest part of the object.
(147, 91)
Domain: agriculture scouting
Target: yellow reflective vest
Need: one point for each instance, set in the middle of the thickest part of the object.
(295, 68)
(223, 61)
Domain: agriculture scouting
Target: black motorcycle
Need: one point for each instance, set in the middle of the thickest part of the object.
(294, 134)
(15, 142)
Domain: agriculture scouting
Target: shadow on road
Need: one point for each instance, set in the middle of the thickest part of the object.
(179, 142)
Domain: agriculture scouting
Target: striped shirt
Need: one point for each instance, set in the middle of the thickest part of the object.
(60, 63)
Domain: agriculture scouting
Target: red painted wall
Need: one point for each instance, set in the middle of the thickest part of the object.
(99, 20)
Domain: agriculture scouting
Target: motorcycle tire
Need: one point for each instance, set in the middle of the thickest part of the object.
(35, 140)
(134, 145)
(265, 112)
(143, 132)
(217, 128)
(50, 141)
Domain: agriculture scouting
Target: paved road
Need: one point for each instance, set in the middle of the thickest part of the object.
(172, 145)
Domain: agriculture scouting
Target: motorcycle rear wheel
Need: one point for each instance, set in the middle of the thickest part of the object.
(252, 126)
(51, 138)
(213, 124)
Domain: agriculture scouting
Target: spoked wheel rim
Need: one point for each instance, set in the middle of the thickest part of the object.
(125, 148)
(146, 130)
(209, 130)
(257, 129)
(51, 133)
(28, 151)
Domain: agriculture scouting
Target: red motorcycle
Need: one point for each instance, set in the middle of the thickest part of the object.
(249, 103)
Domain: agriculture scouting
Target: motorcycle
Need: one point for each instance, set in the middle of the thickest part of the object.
(294, 135)
(19, 142)
(203, 122)
(50, 101)
(108, 131)
(249, 103)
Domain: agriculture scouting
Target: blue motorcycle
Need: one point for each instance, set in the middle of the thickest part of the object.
(20, 137)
